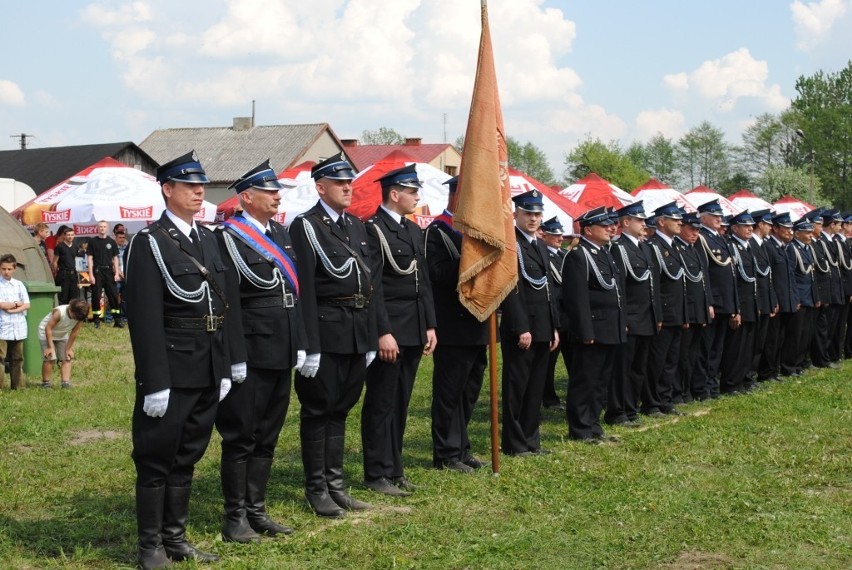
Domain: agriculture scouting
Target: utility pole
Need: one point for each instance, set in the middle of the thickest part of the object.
(445, 128)
(23, 139)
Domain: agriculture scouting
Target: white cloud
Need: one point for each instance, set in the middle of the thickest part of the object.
(110, 13)
(10, 93)
(669, 122)
(814, 20)
(728, 79)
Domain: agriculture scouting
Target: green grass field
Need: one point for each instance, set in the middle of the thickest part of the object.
(757, 481)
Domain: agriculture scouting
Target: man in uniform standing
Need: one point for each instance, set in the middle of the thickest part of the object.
(552, 232)
(461, 357)
(767, 299)
(594, 319)
(726, 309)
(102, 257)
(783, 283)
(258, 249)
(797, 340)
(186, 334)
(65, 266)
(528, 332)
(634, 259)
(336, 287)
(405, 317)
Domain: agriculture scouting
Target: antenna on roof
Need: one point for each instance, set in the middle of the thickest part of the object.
(252, 113)
(23, 139)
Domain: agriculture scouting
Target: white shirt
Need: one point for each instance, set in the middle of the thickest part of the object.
(263, 229)
(182, 226)
(62, 329)
(13, 326)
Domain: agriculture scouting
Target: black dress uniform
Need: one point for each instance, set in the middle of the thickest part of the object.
(101, 253)
(767, 299)
(336, 287)
(783, 283)
(550, 399)
(461, 355)
(844, 261)
(404, 309)
(184, 346)
(825, 291)
(594, 321)
(527, 309)
(697, 312)
(635, 260)
(800, 328)
(721, 272)
(658, 391)
(837, 296)
(251, 417)
(738, 349)
(66, 272)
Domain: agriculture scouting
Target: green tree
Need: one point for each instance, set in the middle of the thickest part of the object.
(823, 109)
(659, 158)
(780, 180)
(383, 135)
(762, 144)
(531, 160)
(703, 156)
(606, 159)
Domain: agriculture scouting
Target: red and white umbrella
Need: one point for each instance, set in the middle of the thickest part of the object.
(299, 195)
(702, 194)
(592, 191)
(555, 205)
(749, 201)
(654, 194)
(797, 208)
(107, 190)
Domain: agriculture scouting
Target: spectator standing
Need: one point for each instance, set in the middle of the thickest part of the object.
(14, 302)
(65, 265)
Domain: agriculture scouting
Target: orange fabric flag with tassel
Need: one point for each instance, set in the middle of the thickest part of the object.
(488, 268)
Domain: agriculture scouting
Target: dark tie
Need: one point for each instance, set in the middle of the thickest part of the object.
(342, 223)
(196, 243)
(268, 233)
(193, 235)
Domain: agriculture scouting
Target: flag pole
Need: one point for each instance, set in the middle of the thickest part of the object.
(495, 423)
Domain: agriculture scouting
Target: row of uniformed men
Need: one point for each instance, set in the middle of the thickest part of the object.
(219, 320)
(664, 314)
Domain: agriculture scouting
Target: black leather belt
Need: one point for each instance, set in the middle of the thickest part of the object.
(355, 301)
(288, 302)
(209, 323)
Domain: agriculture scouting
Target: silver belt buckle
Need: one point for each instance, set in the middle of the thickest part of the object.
(289, 301)
(360, 301)
(211, 323)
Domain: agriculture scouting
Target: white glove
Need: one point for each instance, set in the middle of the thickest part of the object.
(300, 360)
(224, 388)
(238, 372)
(311, 365)
(371, 356)
(155, 404)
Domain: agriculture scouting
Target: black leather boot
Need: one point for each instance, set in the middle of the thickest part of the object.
(258, 518)
(235, 525)
(334, 476)
(149, 521)
(316, 491)
(174, 528)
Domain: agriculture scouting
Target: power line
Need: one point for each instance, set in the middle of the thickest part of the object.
(23, 139)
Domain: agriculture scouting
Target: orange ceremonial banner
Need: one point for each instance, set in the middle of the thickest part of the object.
(488, 268)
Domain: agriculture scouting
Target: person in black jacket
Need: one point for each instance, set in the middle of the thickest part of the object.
(838, 298)
(726, 307)
(185, 352)
(405, 317)
(783, 283)
(528, 332)
(258, 250)
(767, 298)
(594, 319)
(825, 293)
(738, 351)
(635, 260)
(336, 285)
(698, 307)
(658, 390)
(551, 233)
(800, 329)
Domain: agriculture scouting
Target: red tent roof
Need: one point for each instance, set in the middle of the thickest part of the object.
(650, 184)
(363, 155)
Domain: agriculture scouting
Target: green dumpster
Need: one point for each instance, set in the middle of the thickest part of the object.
(42, 296)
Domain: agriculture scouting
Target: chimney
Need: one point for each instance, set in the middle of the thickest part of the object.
(413, 142)
(349, 143)
(242, 123)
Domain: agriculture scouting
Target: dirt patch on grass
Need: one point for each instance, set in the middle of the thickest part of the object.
(21, 448)
(696, 560)
(91, 435)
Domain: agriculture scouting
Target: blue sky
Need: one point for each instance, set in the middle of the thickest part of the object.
(115, 70)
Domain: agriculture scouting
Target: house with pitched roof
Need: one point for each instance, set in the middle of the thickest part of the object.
(228, 152)
(442, 156)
